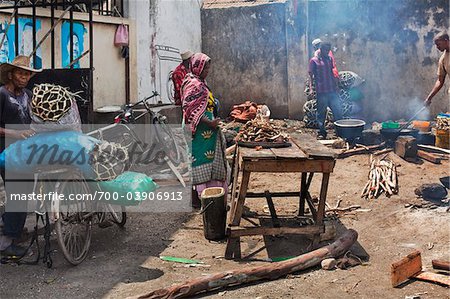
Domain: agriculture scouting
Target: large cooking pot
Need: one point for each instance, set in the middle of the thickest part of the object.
(349, 129)
(392, 134)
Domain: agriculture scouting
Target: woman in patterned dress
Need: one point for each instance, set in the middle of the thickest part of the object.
(209, 166)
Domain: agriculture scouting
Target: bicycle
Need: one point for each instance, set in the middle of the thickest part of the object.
(123, 131)
(72, 220)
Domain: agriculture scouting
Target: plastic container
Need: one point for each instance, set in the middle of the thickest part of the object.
(442, 139)
(390, 125)
(422, 126)
(214, 213)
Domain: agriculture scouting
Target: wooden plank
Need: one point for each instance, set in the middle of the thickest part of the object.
(434, 277)
(311, 147)
(429, 157)
(407, 267)
(433, 149)
(324, 166)
(441, 265)
(292, 152)
(247, 153)
(273, 231)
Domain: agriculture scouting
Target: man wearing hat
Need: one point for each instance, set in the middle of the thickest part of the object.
(179, 73)
(14, 111)
(316, 45)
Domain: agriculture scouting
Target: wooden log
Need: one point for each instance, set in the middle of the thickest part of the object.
(246, 275)
(360, 151)
(429, 157)
(441, 265)
(433, 149)
(406, 147)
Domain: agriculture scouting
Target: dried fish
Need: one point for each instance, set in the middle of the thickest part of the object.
(261, 130)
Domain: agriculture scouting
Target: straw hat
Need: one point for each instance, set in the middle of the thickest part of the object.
(186, 55)
(21, 62)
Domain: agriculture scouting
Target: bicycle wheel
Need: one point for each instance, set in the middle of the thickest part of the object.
(74, 225)
(170, 88)
(168, 142)
(118, 214)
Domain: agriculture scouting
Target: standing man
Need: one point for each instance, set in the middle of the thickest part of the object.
(14, 103)
(179, 73)
(316, 45)
(321, 73)
(442, 44)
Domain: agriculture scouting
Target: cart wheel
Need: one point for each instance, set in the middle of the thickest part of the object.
(73, 228)
(118, 214)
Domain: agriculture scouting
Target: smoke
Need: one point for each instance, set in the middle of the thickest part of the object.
(416, 105)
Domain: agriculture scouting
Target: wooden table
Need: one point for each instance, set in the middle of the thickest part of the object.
(306, 156)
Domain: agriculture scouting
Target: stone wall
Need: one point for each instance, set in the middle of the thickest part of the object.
(261, 52)
(247, 46)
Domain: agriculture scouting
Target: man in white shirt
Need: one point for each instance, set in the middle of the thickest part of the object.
(442, 44)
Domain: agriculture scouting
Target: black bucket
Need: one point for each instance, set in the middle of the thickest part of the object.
(214, 213)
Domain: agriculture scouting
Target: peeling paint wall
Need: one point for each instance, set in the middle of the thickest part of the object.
(388, 43)
(247, 46)
(174, 23)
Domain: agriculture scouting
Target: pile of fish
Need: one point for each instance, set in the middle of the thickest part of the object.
(261, 130)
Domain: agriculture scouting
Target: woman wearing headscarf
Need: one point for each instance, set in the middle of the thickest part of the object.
(209, 165)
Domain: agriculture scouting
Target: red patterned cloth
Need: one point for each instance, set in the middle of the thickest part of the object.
(195, 92)
(177, 78)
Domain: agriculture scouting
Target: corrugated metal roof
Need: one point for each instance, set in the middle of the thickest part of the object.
(211, 4)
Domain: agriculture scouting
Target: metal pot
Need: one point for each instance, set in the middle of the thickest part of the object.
(392, 134)
(349, 129)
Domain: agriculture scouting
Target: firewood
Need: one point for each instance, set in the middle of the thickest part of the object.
(246, 275)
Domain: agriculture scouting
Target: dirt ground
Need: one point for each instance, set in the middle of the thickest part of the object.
(125, 263)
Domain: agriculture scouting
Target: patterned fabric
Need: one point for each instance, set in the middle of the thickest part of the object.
(177, 78)
(217, 170)
(335, 70)
(322, 70)
(195, 92)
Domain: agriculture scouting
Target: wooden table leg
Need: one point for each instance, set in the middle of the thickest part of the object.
(323, 198)
(273, 212)
(235, 182)
(321, 208)
(233, 249)
(235, 219)
(303, 190)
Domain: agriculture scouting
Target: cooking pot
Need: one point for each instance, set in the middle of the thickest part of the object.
(392, 134)
(349, 129)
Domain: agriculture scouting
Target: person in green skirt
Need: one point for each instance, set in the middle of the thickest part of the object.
(209, 164)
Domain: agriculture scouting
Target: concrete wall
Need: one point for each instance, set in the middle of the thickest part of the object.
(247, 46)
(388, 43)
(109, 73)
(172, 23)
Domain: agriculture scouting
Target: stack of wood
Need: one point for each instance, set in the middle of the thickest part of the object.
(443, 123)
(261, 130)
(382, 178)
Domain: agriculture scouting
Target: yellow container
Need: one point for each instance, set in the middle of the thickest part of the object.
(442, 139)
